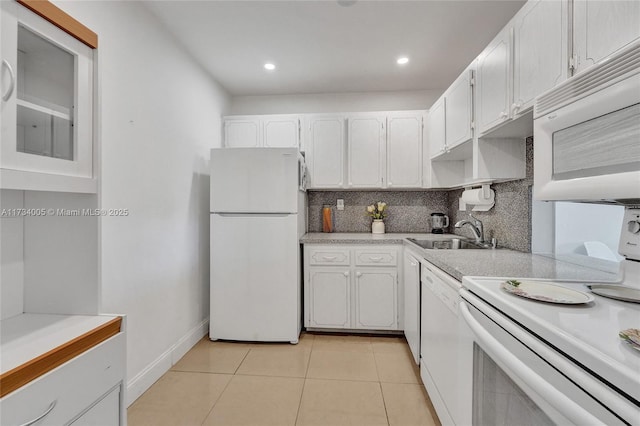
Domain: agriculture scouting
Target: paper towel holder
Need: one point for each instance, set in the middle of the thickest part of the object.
(481, 198)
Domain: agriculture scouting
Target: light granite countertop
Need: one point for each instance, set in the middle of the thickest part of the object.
(480, 262)
(367, 238)
(511, 264)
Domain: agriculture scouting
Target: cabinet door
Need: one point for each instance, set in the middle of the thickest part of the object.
(47, 116)
(366, 139)
(493, 83)
(412, 304)
(404, 151)
(242, 132)
(329, 298)
(459, 110)
(602, 27)
(436, 127)
(376, 294)
(326, 151)
(540, 51)
(281, 131)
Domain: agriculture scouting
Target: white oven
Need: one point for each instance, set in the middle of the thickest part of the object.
(587, 133)
(544, 364)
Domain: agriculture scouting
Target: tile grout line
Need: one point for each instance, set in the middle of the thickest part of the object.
(243, 359)
(225, 387)
(217, 399)
(384, 403)
(304, 383)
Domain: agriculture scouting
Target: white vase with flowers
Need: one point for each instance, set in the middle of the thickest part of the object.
(377, 211)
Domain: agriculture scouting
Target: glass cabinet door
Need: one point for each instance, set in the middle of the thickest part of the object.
(45, 97)
(46, 86)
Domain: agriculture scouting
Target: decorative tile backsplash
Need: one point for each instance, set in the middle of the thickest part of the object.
(407, 211)
(509, 221)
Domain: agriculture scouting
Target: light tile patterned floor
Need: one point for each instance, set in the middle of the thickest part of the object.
(325, 380)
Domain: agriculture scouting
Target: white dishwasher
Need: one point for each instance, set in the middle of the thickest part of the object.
(439, 341)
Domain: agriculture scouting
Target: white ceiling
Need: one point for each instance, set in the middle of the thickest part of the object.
(324, 47)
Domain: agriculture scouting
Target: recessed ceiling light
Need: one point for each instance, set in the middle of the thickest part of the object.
(269, 66)
(403, 60)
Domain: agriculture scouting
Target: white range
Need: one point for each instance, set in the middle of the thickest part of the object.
(552, 363)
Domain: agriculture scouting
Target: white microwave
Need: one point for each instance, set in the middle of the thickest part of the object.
(587, 134)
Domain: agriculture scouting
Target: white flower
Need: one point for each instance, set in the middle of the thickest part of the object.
(381, 206)
(370, 208)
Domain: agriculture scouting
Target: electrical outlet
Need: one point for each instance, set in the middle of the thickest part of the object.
(340, 204)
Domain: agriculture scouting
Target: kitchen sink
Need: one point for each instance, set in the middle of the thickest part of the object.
(452, 244)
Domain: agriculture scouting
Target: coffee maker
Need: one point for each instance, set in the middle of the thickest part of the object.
(439, 221)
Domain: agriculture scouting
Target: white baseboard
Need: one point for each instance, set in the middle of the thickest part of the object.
(189, 340)
(152, 372)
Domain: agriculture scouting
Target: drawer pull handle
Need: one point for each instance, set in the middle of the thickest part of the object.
(358, 274)
(329, 257)
(375, 259)
(43, 415)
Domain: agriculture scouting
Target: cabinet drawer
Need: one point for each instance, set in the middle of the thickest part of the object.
(70, 388)
(329, 256)
(371, 257)
(105, 412)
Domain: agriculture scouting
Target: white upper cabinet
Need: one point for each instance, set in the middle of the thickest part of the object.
(436, 128)
(281, 131)
(325, 152)
(602, 27)
(493, 79)
(242, 132)
(365, 159)
(450, 119)
(47, 105)
(540, 51)
(459, 107)
(375, 150)
(356, 150)
(404, 150)
(269, 131)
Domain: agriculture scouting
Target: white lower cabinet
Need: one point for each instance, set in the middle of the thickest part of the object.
(87, 385)
(376, 299)
(360, 291)
(104, 412)
(329, 292)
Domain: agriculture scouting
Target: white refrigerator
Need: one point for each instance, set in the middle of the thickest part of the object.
(258, 214)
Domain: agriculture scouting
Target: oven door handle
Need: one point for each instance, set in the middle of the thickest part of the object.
(564, 405)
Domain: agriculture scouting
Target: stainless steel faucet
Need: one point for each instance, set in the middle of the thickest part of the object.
(476, 227)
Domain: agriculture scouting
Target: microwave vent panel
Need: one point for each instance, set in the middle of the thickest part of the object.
(617, 67)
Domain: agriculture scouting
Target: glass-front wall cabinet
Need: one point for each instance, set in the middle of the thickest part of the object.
(47, 89)
(45, 97)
